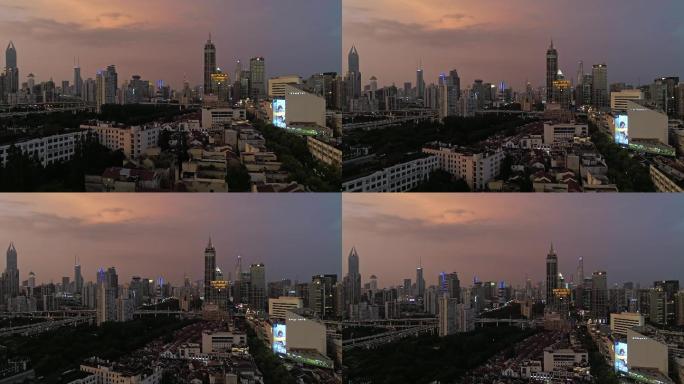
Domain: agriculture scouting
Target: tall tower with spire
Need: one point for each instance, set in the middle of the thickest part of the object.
(551, 71)
(209, 64)
(420, 82)
(78, 277)
(353, 283)
(11, 276)
(420, 281)
(551, 278)
(209, 269)
(354, 73)
(11, 69)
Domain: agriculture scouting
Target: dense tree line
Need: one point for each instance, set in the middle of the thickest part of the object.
(57, 351)
(442, 181)
(293, 152)
(427, 359)
(624, 170)
(392, 144)
(268, 362)
(600, 369)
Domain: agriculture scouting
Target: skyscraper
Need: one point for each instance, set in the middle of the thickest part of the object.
(257, 78)
(257, 284)
(579, 279)
(599, 296)
(551, 278)
(420, 282)
(420, 85)
(322, 295)
(354, 74)
(209, 269)
(78, 278)
(599, 88)
(11, 276)
(353, 278)
(11, 69)
(551, 71)
(78, 82)
(453, 85)
(209, 64)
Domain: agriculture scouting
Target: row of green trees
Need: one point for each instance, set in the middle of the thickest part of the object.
(623, 169)
(60, 350)
(268, 363)
(293, 152)
(428, 359)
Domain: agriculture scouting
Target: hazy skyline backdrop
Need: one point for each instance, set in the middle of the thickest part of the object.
(507, 237)
(164, 39)
(507, 40)
(154, 235)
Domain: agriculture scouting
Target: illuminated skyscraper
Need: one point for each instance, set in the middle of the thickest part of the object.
(257, 284)
(599, 88)
(420, 85)
(599, 296)
(209, 64)
(209, 268)
(551, 71)
(420, 282)
(551, 278)
(257, 78)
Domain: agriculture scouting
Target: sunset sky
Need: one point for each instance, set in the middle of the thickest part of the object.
(164, 39)
(507, 40)
(507, 237)
(165, 235)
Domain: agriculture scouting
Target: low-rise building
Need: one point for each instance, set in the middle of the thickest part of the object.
(49, 149)
(476, 167)
(621, 322)
(112, 373)
(205, 171)
(277, 308)
(325, 151)
(219, 117)
(667, 174)
(132, 140)
(561, 359)
(221, 342)
(401, 177)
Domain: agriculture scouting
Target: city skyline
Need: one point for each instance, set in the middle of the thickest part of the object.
(52, 36)
(165, 235)
(507, 238)
(510, 39)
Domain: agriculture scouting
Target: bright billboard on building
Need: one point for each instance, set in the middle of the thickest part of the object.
(279, 113)
(622, 129)
(279, 338)
(621, 356)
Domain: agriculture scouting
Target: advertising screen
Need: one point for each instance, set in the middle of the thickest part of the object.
(279, 338)
(622, 129)
(279, 113)
(621, 356)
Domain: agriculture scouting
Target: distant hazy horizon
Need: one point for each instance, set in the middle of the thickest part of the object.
(507, 237)
(296, 236)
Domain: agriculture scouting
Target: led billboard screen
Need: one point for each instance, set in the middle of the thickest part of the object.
(621, 356)
(279, 338)
(622, 129)
(279, 113)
